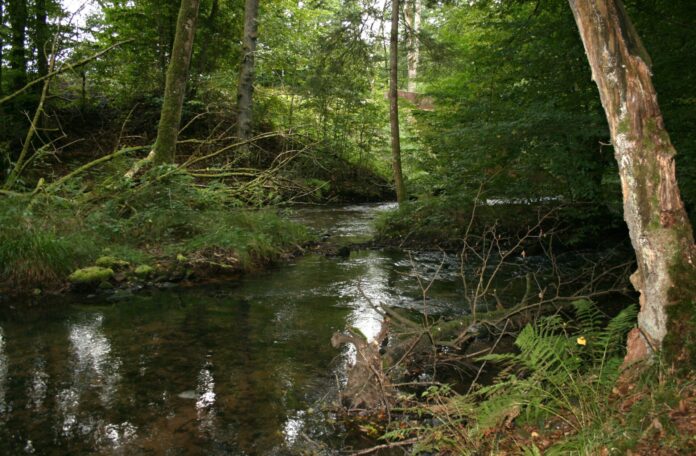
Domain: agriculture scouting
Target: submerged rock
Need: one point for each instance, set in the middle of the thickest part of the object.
(189, 394)
(91, 275)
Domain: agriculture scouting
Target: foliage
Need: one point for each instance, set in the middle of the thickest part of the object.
(563, 374)
(162, 214)
(34, 249)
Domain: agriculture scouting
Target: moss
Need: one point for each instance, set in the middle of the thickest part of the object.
(111, 262)
(92, 274)
(144, 271)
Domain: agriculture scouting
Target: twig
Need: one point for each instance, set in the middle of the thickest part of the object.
(386, 446)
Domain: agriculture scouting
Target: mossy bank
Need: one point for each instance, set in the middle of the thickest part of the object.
(162, 228)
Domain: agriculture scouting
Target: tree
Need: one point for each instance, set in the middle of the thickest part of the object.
(659, 228)
(41, 36)
(394, 103)
(413, 20)
(175, 88)
(2, 39)
(17, 10)
(245, 90)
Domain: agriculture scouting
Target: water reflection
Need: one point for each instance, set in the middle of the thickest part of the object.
(366, 293)
(206, 400)
(235, 369)
(94, 367)
(38, 387)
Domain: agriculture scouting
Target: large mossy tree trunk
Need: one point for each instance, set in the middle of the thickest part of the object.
(659, 228)
(175, 87)
(245, 89)
(394, 104)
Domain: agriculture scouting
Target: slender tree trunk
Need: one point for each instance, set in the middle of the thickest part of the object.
(17, 58)
(210, 27)
(660, 231)
(245, 90)
(394, 103)
(413, 20)
(41, 37)
(175, 88)
(2, 42)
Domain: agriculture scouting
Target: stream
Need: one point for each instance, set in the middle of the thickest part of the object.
(235, 369)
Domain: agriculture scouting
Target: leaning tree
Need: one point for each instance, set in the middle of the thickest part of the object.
(659, 227)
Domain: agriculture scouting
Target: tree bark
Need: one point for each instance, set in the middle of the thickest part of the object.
(413, 20)
(660, 231)
(245, 90)
(175, 88)
(17, 10)
(394, 103)
(2, 43)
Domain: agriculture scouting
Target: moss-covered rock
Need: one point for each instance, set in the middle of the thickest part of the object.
(144, 271)
(91, 275)
(106, 286)
(111, 262)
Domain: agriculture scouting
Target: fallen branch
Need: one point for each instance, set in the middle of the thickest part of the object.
(386, 446)
(91, 165)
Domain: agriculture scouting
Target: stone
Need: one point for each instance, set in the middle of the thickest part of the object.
(144, 271)
(91, 275)
(111, 262)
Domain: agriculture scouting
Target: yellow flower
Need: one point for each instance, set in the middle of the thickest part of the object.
(581, 341)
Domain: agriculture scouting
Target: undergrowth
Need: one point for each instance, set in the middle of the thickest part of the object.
(443, 220)
(156, 217)
(560, 380)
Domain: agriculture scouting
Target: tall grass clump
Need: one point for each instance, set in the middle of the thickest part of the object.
(34, 251)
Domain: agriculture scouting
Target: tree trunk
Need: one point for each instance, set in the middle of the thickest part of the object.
(413, 20)
(41, 37)
(245, 91)
(2, 44)
(175, 88)
(17, 10)
(659, 227)
(394, 103)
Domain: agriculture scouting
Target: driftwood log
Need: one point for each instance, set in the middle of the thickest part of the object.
(367, 386)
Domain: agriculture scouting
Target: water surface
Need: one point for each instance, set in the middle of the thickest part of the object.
(235, 369)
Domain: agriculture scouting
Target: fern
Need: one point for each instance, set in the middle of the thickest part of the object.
(553, 375)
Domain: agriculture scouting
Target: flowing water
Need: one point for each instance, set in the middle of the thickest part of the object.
(236, 369)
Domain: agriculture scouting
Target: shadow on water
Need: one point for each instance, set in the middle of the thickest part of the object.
(236, 369)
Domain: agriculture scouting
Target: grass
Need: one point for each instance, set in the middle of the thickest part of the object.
(155, 218)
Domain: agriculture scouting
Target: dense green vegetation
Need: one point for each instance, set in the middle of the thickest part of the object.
(505, 135)
(161, 220)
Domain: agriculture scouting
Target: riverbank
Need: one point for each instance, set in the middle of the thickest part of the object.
(125, 234)
(446, 222)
